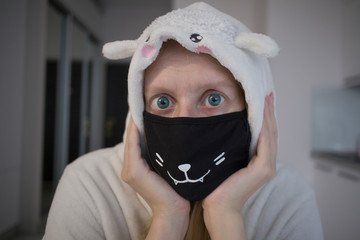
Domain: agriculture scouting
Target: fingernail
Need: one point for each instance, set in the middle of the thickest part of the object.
(272, 95)
(267, 99)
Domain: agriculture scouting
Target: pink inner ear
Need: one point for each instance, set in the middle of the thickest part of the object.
(148, 51)
(203, 49)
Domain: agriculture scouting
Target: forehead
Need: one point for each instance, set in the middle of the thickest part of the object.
(173, 54)
(178, 69)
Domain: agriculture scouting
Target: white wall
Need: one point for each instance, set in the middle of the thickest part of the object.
(12, 48)
(337, 182)
(33, 116)
(338, 194)
(126, 21)
(351, 32)
(22, 47)
(87, 13)
(310, 37)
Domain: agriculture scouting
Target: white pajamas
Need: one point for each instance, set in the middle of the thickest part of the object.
(92, 202)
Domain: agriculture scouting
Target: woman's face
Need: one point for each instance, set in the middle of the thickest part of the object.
(180, 83)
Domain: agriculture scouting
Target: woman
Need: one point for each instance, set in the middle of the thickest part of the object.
(199, 158)
(185, 84)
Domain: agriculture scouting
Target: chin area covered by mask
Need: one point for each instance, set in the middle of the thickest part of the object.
(195, 155)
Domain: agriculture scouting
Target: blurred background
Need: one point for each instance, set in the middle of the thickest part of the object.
(59, 98)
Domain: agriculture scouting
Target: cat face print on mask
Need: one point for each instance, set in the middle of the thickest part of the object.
(195, 155)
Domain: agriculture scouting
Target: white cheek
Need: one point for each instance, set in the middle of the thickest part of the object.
(203, 49)
(148, 51)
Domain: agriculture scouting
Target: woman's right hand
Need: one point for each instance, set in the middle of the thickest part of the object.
(170, 211)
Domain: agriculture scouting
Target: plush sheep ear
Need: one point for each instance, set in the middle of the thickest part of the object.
(119, 49)
(257, 43)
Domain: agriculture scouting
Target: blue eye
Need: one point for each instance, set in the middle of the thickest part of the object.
(214, 99)
(163, 102)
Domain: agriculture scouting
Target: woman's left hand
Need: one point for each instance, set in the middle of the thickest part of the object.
(222, 208)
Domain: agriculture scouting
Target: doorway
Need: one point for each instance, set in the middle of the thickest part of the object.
(72, 65)
(116, 106)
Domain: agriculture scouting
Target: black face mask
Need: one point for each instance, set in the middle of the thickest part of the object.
(195, 155)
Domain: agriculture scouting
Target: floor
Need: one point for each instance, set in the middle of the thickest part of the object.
(14, 235)
(48, 193)
(27, 237)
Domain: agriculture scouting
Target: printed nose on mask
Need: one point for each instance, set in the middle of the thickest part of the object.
(184, 167)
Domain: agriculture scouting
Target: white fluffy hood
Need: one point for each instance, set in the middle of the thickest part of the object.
(202, 28)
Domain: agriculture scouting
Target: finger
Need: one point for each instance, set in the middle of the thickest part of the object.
(266, 158)
(132, 153)
(132, 138)
(128, 146)
(263, 134)
(263, 151)
(266, 150)
(266, 119)
(272, 114)
(269, 118)
(273, 128)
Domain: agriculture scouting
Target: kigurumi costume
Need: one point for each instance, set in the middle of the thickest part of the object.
(93, 202)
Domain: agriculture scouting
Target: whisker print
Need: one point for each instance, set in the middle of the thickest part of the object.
(219, 159)
(185, 167)
(158, 162)
(158, 155)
